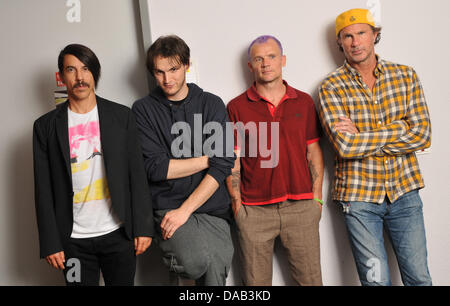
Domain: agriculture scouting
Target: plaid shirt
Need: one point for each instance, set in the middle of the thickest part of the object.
(393, 122)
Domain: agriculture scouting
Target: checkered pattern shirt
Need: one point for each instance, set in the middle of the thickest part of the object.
(393, 122)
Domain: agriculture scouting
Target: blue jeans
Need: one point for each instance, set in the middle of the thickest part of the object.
(403, 221)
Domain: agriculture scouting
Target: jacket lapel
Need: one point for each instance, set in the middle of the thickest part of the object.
(106, 131)
(62, 131)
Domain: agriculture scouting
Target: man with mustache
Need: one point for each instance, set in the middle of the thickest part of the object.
(92, 202)
(375, 115)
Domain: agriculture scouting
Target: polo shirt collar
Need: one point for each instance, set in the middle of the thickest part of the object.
(379, 69)
(254, 96)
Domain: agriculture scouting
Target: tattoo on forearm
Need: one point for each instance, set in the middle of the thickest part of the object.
(313, 171)
(236, 181)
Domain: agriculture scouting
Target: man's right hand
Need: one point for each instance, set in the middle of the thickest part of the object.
(56, 260)
(236, 205)
(346, 125)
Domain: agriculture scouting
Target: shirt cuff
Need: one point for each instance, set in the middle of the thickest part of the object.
(311, 141)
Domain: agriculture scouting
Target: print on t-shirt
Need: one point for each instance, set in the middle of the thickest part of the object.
(92, 208)
(84, 148)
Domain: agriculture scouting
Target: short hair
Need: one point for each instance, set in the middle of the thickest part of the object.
(85, 55)
(374, 29)
(262, 39)
(170, 46)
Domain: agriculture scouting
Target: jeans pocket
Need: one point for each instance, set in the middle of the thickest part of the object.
(241, 210)
(317, 210)
(317, 204)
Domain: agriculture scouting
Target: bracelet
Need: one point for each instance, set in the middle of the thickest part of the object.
(318, 200)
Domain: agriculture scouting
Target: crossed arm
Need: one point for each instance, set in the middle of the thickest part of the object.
(409, 134)
(397, 138)
(179, 168)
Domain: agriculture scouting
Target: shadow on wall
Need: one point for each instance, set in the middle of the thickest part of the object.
(337, 56)
(248, 77)
(344, 265)
(151, 270)
(28, 268)
(140, 69)
(346, 269)
(24, 241)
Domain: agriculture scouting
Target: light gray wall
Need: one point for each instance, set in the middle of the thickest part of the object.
(33, 32)
(415, 33)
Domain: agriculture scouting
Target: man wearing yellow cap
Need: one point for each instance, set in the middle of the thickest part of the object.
(375, 115)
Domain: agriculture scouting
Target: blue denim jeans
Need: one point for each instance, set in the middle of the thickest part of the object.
(403, 221)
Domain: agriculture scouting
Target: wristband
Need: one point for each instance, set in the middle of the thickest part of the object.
(318, 200)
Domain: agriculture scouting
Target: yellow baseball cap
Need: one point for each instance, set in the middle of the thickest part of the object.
(353, 16)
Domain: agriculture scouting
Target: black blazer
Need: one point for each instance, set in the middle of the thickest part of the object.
(125, 173)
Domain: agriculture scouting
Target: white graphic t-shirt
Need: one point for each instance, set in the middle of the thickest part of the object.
(92, 211)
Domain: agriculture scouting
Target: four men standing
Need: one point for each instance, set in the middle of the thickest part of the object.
(373, 112)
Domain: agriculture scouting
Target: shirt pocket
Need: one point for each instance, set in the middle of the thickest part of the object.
(359, 111)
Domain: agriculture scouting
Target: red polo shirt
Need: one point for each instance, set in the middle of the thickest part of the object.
(298, 127)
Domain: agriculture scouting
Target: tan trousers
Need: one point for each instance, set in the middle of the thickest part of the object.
(297, 225)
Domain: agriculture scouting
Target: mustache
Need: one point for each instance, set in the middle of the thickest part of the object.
(81, 84)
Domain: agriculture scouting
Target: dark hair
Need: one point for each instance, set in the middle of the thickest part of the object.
(374, 29)
(170, 46)
(85, 55)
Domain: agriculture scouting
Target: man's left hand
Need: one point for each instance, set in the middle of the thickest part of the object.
(172, 221)
(141, 244)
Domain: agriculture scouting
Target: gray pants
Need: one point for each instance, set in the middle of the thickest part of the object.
(201, 249)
